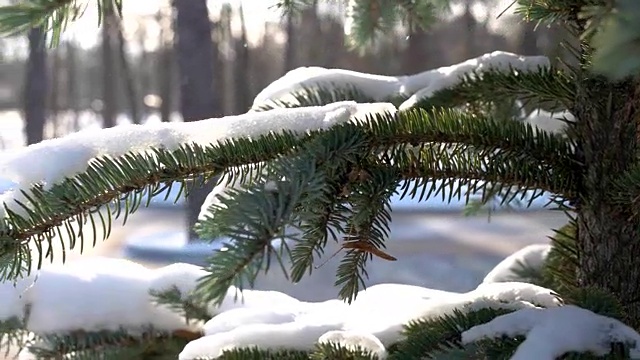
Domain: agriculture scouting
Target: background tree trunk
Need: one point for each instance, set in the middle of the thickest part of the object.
(528, 40)
(241, 68)
(128, 76)
(73, 95)
(165, 68)
(55, 92)
(35, 88)
(469, 24)
(109, 73)
(195, 55)
(415, 55)
(608, 237)
(290, 45)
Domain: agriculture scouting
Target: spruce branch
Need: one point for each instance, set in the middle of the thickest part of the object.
(111, 345)
(52, 15)
(368, 226)
(292, 6)
(121, 184)
(617, 37)
(326, 217)
(369, 19)
(546, 88)
(186, 305)
(12, 335)
(547, 11)
(363, 163)
(256, 214)
(516, 139)
(333, 351)
(252, 217)
(475, 170)
(255, 353)
(626, 191)
(426, 337)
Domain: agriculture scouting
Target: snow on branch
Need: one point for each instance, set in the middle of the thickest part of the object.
(382, 88)
(362, 323)
(50, 161)
(105, 294)
(553, 332)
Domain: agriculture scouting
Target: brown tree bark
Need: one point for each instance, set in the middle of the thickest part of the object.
(608, 237)
(198, 90)
(36, 86)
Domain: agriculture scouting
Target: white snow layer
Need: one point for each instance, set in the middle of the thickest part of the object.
(381, 88)
(374, 321)
(531, 256)
(548, 121)
(98, 293)
(50, 161)
(551, 333)
(355, 341)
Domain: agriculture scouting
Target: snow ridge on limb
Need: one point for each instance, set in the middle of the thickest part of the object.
(553, 332)
(382, 88)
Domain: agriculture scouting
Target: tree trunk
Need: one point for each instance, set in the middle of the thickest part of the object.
(73, 97)
(165, 72)
(608, 241)
(528, 40)
(415, 55)
(128, 76)
(55, 92)
(165, 68)
(109, 76)
(35, 89)
(469, 23)
(290, 45)
(241, 66)
(195, 54)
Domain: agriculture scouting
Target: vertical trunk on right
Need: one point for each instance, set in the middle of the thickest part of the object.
(608, 236)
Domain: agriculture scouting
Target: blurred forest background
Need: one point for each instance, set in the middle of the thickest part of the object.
(137, 67)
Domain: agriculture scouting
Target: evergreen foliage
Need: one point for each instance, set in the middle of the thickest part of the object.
(335, 185)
